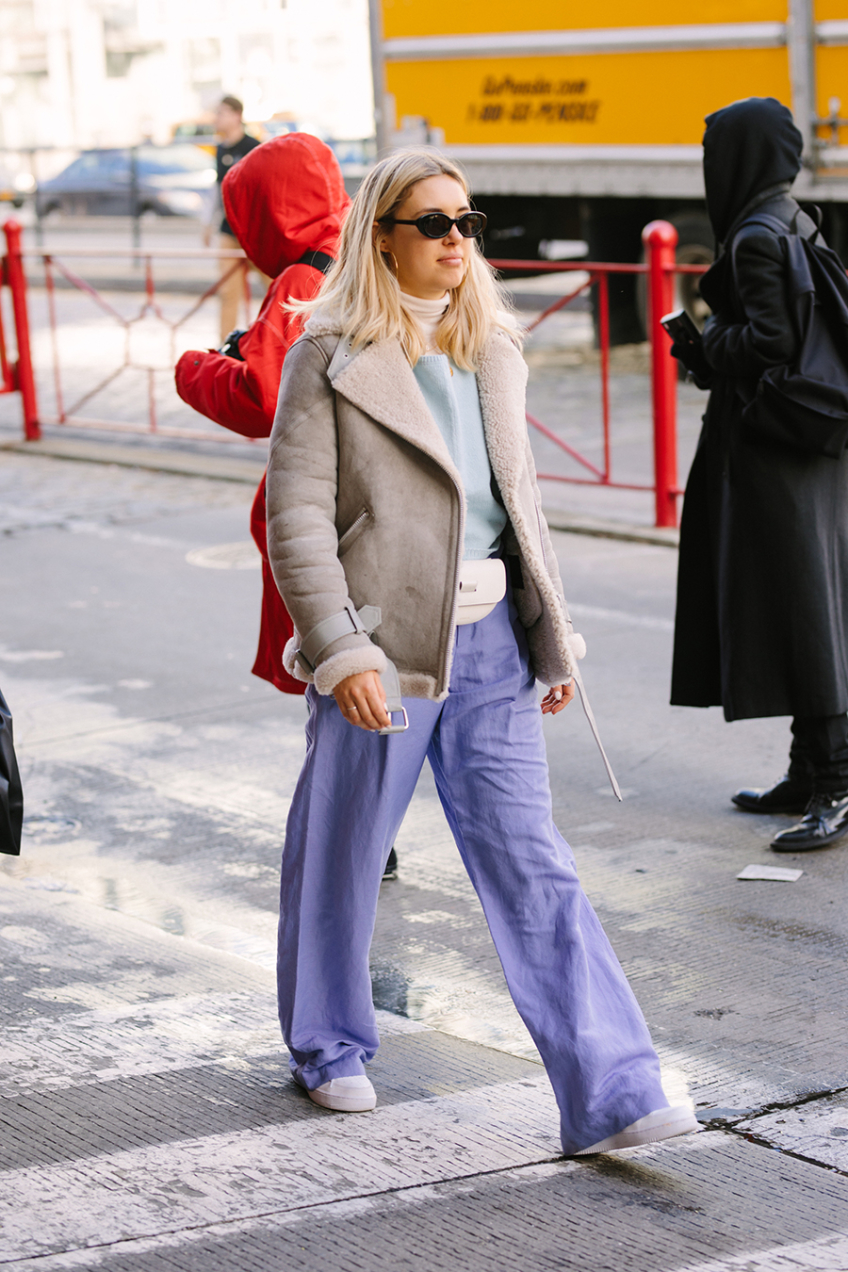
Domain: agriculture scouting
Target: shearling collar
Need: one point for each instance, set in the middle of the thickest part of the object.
(502, 382)
(379, 381)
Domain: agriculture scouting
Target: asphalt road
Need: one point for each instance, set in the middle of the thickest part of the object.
(147, 1118)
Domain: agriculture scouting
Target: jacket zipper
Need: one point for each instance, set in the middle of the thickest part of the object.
(352, 529)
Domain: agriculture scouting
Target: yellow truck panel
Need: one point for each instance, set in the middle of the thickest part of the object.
(583, 122)
(832, 83)
(654, 98)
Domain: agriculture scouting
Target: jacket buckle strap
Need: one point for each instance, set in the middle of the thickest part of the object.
(371, 616)
(346, 623)
(349, 622)
(394, 705)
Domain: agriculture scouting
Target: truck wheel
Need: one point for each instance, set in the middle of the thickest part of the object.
(612, 229)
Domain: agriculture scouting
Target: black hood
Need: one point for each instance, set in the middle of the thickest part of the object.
(749, 147)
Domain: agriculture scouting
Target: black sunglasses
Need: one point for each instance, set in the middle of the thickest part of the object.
(437, 224)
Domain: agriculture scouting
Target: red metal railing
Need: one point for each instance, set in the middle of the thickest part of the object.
(18, 377)
(660, 268)
(660, 239)
(149, 306)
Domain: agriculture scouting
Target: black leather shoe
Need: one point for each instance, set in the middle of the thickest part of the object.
(784, 797)
(391, 870)
(825, 821)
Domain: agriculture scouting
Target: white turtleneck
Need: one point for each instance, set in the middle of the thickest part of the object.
(428, 314)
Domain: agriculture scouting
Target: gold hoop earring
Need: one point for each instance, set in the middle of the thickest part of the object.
(384, 254)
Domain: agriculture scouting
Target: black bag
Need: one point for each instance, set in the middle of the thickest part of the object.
(806, 405)
(11, 794)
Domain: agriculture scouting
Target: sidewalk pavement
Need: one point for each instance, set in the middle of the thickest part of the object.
(148, 1124)
(227, 467)
(147, 1118)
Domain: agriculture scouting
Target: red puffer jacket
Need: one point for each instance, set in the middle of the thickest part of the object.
(284, 199)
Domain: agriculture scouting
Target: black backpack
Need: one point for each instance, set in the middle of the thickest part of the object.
(806, 405)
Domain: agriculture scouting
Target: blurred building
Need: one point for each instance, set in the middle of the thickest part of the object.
(78, 73)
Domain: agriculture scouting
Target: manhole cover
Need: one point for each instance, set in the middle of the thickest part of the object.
(226, 556)
(50, 827)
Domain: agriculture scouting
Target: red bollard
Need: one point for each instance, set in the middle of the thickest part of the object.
(660, 239)
(16, 280)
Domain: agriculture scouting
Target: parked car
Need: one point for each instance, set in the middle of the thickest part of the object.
(171, 181)
(355, 156)
(11, 190)
(197, 133)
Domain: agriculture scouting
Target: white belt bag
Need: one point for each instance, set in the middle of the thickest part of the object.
(481, 585)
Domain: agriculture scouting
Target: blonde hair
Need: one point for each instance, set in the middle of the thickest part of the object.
(361, 292)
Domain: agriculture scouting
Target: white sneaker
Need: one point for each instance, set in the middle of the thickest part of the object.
(659, 1125)
(344, 1095)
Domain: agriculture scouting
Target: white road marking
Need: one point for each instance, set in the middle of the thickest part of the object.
(30, 655)
(226, 556)
(354, 1207)
(141, 1038)
(328, 1157)
(824, 1254)
(621, 616)
(150, 1037)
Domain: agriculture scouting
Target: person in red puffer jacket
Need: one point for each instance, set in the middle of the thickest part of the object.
(285, 202)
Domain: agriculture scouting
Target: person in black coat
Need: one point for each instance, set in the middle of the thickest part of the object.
(11, 794)
(762, 595)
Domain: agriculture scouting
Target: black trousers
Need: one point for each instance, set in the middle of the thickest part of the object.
(818, 757)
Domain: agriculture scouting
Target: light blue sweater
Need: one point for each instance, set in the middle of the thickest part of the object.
(454, 403)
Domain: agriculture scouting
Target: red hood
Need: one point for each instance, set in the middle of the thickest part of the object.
(285, 198)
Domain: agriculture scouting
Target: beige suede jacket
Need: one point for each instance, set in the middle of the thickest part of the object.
(366, 506)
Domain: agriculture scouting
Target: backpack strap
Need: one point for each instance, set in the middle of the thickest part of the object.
(770, 222)
(815, 215)
(780, 227)
(318, 260)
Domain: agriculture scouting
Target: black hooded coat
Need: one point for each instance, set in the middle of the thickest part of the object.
(762, 593)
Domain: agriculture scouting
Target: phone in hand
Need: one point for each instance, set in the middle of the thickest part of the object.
(680, 327)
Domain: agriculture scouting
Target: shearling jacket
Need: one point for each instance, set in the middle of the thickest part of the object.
(366, 506)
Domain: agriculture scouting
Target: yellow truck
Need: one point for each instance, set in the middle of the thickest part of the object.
(583, 122)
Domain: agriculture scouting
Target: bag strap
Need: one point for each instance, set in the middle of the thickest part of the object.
(318, 260)
(775, 223)
(590, 716)
(815, 215)
(771, 222)
(342, 354)
(762, 218)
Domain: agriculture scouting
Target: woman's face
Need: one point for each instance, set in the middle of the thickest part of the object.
(429, 267)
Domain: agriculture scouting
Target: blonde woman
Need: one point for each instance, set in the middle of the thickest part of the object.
(407, 541)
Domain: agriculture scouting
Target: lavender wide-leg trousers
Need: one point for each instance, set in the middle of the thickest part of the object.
(487, 752)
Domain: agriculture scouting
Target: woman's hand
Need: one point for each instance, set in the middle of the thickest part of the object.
(362, 701)
(557, 697)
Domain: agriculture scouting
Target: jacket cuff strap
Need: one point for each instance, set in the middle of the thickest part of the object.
(346, 623)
